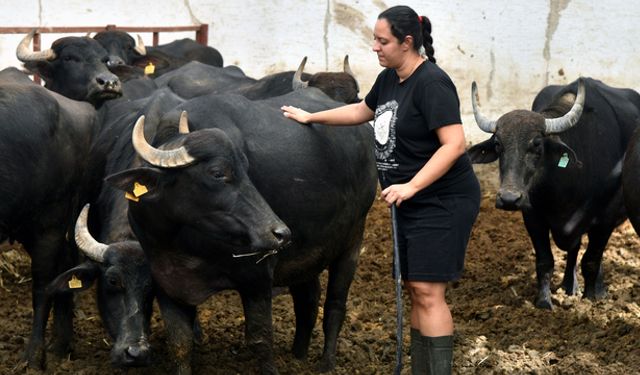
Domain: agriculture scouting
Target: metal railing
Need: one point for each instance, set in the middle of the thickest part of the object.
(201, 31)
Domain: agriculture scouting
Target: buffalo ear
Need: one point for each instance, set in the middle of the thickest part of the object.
(483, 152)
(557, 151)
(42, 68)
(76, 279)
(157, 58)
(136, 180)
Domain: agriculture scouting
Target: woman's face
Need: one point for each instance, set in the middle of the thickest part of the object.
(390, 51)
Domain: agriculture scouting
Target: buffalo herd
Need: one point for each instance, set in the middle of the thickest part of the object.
(159, 174)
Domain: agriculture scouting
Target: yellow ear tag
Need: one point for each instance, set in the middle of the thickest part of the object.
(75, 283)
(139, 189)
(131, 197)
(149, 69)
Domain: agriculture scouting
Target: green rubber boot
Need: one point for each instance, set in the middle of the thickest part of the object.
(439, 354)
(418, 352)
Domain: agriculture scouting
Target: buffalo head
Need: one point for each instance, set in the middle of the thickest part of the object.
(339, 86)
(124, 292)
(198, 183)
(526, 143)
(74, 67)
(121, 47)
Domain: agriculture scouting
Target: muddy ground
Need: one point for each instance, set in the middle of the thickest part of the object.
(498, 331)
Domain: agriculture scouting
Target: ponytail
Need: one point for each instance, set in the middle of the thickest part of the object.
(427, 40)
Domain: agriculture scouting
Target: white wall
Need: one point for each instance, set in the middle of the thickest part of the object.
(512, 48)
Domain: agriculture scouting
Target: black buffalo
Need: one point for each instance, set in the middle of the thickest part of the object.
(74, 67)
(124, 288)
(44, 146)
(195, 79)
(123, 50)
(559, 165)
(190, 50)
(193, 222)
(631, 181)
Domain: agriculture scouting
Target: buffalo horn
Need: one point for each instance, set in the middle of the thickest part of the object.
(485, 124)
(347, 67)
(87, 244)
(560, 124)
(140, 46)
(24, 54)
(183, 126)
(297, 78)
(160, 158)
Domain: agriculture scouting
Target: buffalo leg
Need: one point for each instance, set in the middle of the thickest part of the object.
(539, 234)
(48, 258)
(259, 326)
(570, 280)
(179, 322)
(62, 327)
(341, 273)
(591, 264)
(305, 303)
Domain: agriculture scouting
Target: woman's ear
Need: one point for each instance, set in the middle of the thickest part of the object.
(407, 44)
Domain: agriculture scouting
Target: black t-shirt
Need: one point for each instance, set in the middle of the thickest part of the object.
(406, 117)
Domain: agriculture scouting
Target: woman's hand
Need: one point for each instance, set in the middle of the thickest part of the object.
(398, 193)
(295, 113)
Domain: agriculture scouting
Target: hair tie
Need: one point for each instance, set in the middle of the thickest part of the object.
(420, 19)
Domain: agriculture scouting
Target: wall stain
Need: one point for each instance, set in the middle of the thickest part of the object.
(39, 12)
(193, 17)
(327, 21)
(353, 20)
(553, 20)
(492, 74)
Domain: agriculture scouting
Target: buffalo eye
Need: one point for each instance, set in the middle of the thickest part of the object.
(70, 58)
(219, 174)
(113, 280)
(536, 145)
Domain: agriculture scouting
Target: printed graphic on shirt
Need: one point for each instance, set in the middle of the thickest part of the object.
(385, 131)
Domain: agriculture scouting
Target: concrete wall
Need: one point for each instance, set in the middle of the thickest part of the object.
(512, 48)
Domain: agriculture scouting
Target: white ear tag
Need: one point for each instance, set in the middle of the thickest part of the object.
(564, 161)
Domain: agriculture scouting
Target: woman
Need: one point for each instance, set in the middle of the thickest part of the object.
(423, 169)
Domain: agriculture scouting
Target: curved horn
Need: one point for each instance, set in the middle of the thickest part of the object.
(485, 124)
(24, 54)
(560, 124)
(347, 67)
(161, 158)
(87, 244)
(297, 78)
(183, 126)
(140, 48)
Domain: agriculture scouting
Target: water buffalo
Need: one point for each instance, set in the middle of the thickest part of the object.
(190, 50)
(194, 238)
(195, 79)
(123, 50)
(124, 290)
(74, 67)
(44, 146)
(555, 162)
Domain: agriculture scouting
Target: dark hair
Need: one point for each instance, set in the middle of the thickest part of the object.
(404, 22)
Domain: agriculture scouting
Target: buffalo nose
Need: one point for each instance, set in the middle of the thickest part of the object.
(108, 81)
(114, 61)
(138, 352)
(508, 199)
(282, 234)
